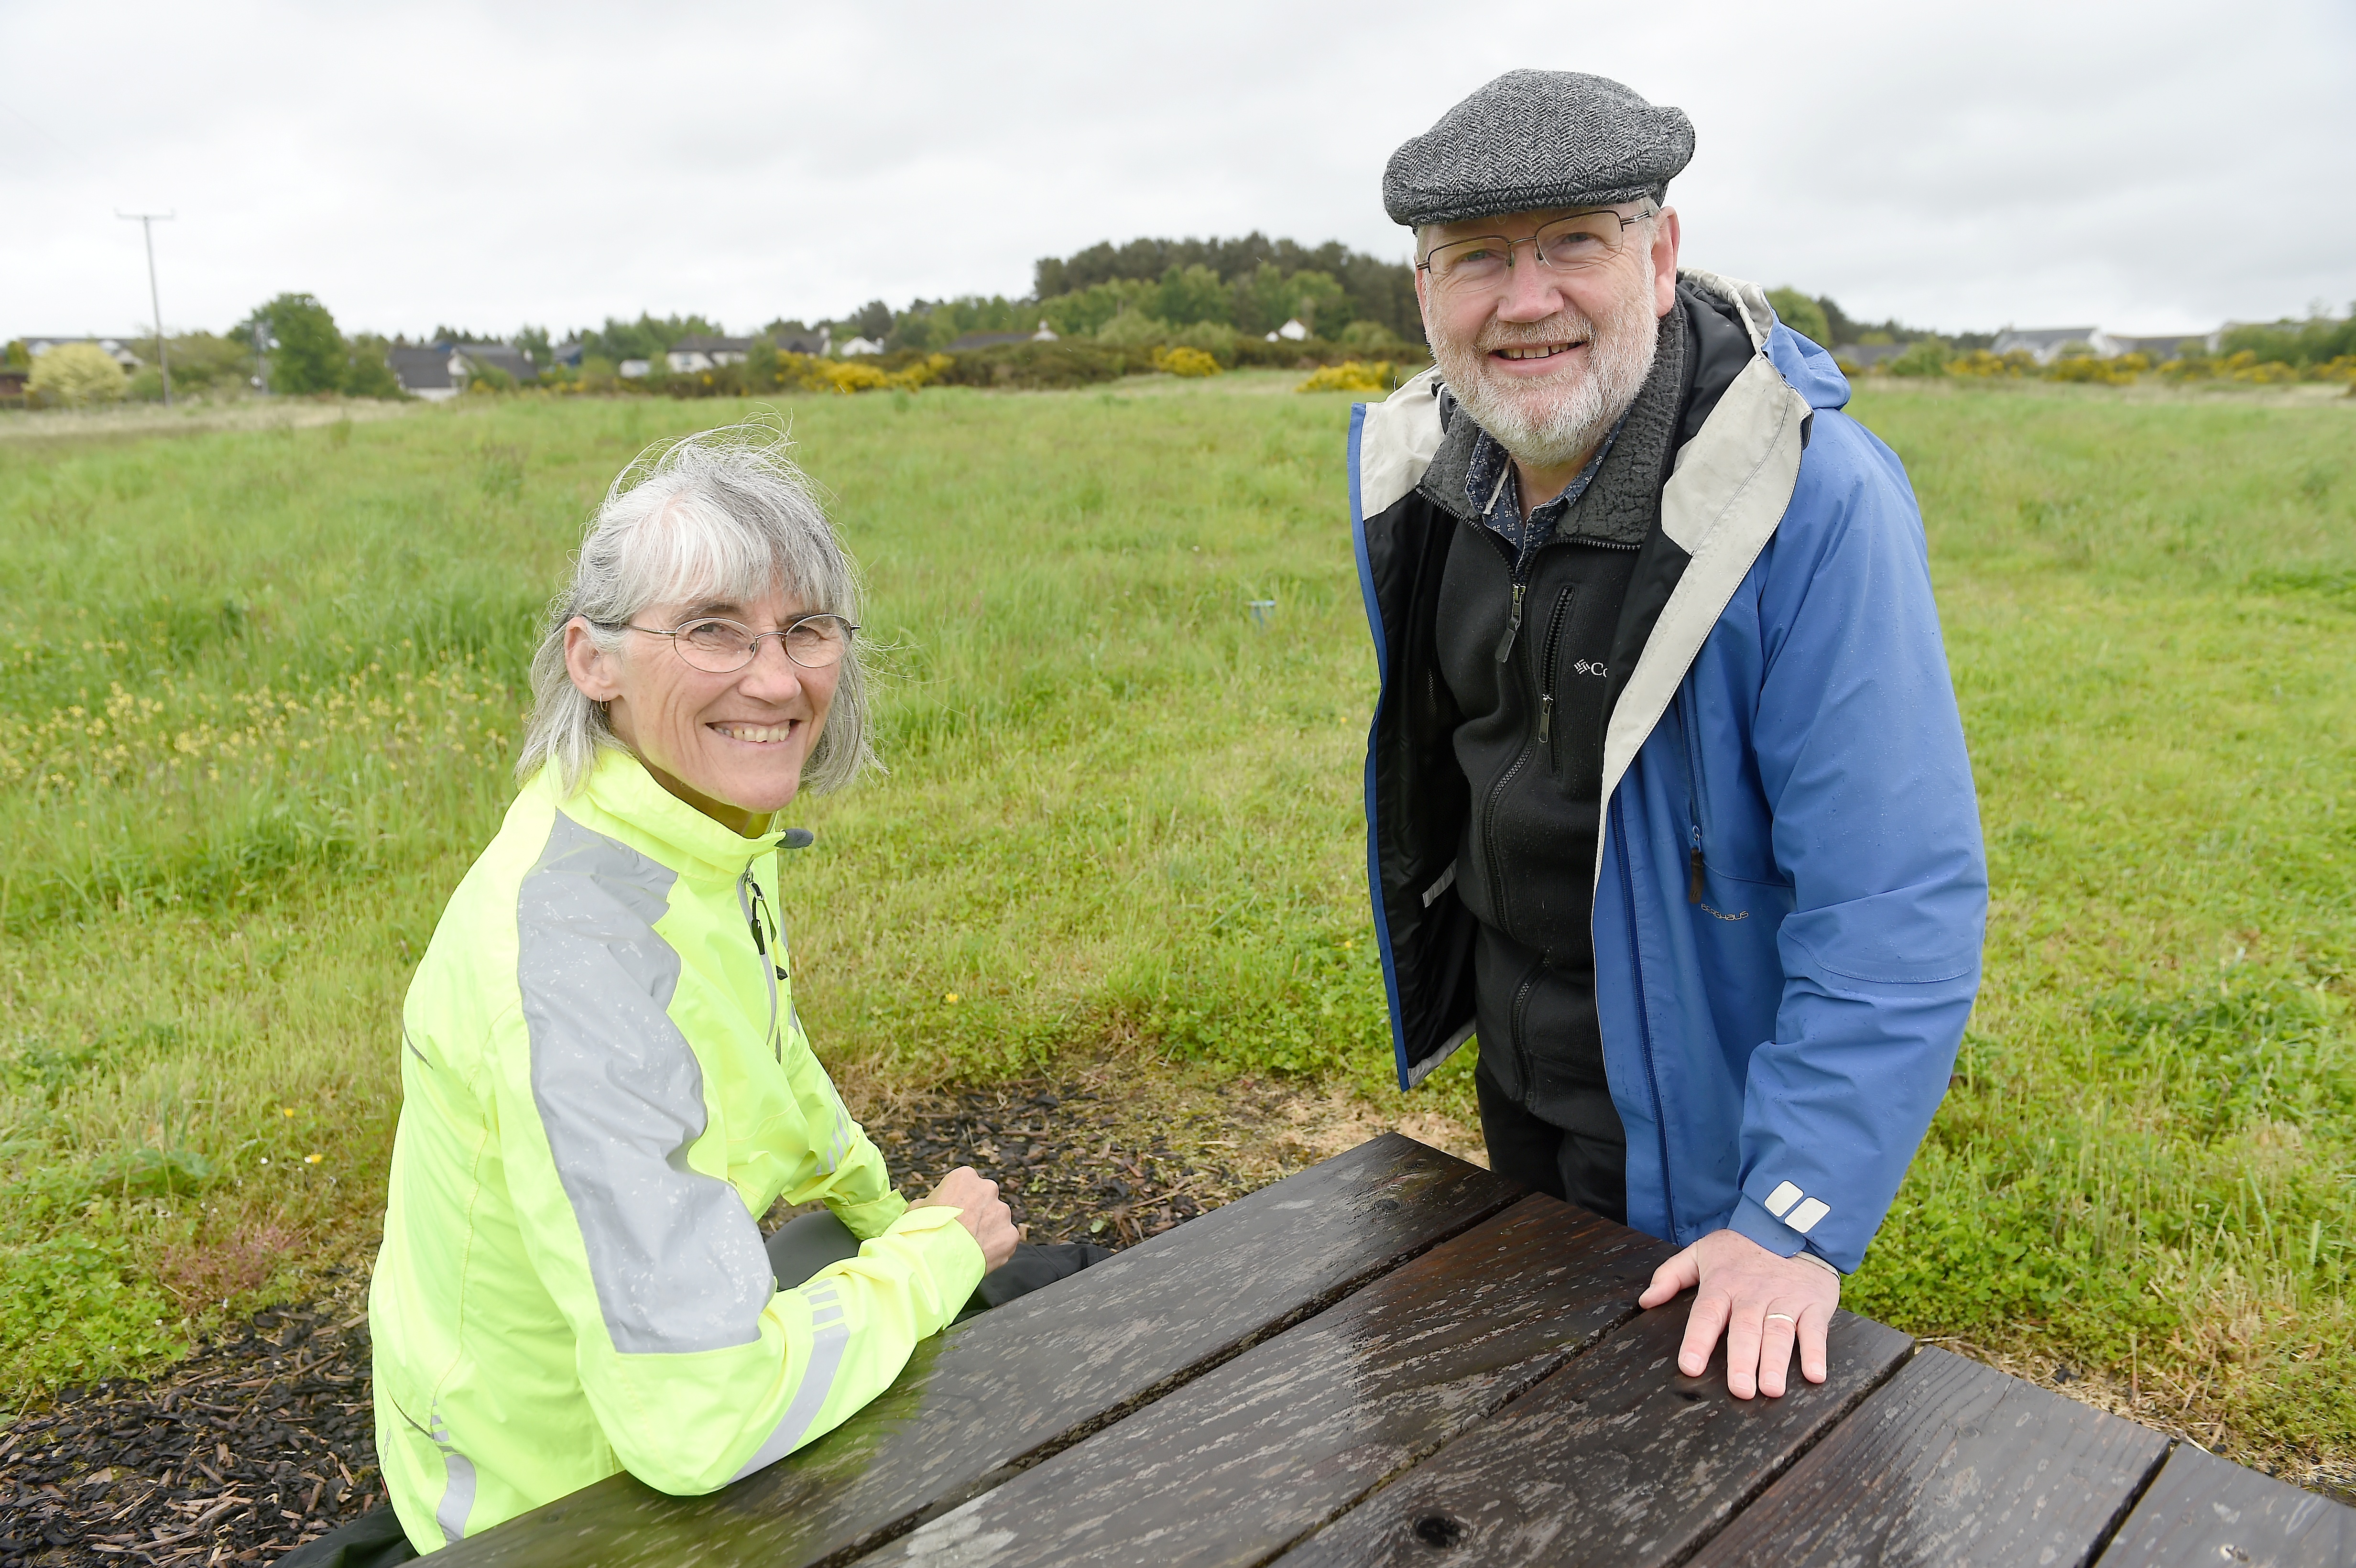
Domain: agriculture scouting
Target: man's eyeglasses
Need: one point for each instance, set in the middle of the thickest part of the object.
(1572, 244)
(719, 646)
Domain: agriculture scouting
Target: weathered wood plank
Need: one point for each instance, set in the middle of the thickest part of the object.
(1953, 1464)
(2203, 1509)
(1616, 1458)
(1233, 1467)
(1032, 1375)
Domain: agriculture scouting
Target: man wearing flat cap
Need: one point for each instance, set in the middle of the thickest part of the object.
(1667, 795)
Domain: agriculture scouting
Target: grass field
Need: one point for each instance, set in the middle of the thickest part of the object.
(262, 693)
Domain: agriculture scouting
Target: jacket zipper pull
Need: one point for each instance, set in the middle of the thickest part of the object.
(1545, 716)
(1693, 885)
(1512, 626)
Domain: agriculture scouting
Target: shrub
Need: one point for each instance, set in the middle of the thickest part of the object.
(487, 379)
(1374, 338)
(308, 352)
(76, 375)
(1186, 361)
(1027, 367)
(1135, 329)
(1350, 375)
(2244, 365)
(1980, 362)
(811, 373)
(1925, 356)
(367, 373)
(1802, 314)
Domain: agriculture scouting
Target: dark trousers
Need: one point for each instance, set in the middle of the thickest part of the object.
(1582, 1161)
(800, 1248)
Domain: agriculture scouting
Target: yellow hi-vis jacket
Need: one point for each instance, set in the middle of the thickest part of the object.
(605, 1083)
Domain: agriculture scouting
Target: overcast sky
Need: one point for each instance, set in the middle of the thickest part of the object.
(2148, 167)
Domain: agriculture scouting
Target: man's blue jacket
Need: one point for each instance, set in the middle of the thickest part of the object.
(1789, 889)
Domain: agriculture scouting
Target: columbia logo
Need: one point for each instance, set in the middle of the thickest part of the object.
(1796, 1209)
(1591, 667)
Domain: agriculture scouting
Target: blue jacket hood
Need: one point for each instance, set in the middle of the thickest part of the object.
(1808, 369)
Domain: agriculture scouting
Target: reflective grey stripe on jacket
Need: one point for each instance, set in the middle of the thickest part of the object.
(458, 1489)
(677, 1262)
(829, 1334)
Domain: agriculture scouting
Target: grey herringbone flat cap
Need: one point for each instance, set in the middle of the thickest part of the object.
(1538, 139)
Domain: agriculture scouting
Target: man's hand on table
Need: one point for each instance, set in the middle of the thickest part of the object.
(981, 1212)
(1762, 1302)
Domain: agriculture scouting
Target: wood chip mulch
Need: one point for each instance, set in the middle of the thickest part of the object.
(265, 1438)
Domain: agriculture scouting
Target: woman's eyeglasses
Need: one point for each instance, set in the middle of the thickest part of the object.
(720, 647)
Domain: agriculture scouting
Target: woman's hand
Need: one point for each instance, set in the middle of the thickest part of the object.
(980, 1210)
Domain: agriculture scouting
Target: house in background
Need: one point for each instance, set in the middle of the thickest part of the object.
(1045, 334)
(1292, 331)
(816, 345)
(860, 346)
(699, 352)
(472, 357)
(37, 345)
(567, 354)
(13, 379)
(2158, 347)
(437, 370)
(633, 370)
(2042, 344)
(426, 371)
(985, 340)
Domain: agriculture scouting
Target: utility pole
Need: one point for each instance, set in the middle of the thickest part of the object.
(148, 222)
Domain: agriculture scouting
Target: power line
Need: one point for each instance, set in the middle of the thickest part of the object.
(148, 222)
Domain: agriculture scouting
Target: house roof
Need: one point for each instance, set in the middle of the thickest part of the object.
(2043, 336)
(420, 369)
(2166, 342)
(498, 354)
(121, 347)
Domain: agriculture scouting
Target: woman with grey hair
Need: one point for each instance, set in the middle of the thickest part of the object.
(604, 1080)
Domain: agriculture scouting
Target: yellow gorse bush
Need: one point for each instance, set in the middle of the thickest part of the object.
(1184, 361)
(76, 374)
(1350, 375)
(846, 376)
(1980, 362)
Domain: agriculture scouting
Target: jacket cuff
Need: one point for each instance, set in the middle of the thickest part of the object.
(950, 1254)
(869, 1219)
(1752, 1220)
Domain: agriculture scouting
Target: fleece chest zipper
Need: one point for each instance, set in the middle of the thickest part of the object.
(1549, 663)
(754, 903)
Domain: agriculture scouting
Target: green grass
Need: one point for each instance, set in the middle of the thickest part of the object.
(262, 686)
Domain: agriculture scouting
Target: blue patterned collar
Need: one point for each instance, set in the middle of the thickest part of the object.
(1494, 491)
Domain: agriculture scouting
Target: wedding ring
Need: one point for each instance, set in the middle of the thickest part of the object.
(1785, 1317)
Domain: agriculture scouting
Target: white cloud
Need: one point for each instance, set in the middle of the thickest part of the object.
(2149, 167)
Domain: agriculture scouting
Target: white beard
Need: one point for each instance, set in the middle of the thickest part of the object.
(1559, 420)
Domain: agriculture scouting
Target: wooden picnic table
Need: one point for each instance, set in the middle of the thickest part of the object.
(1395, 1357)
